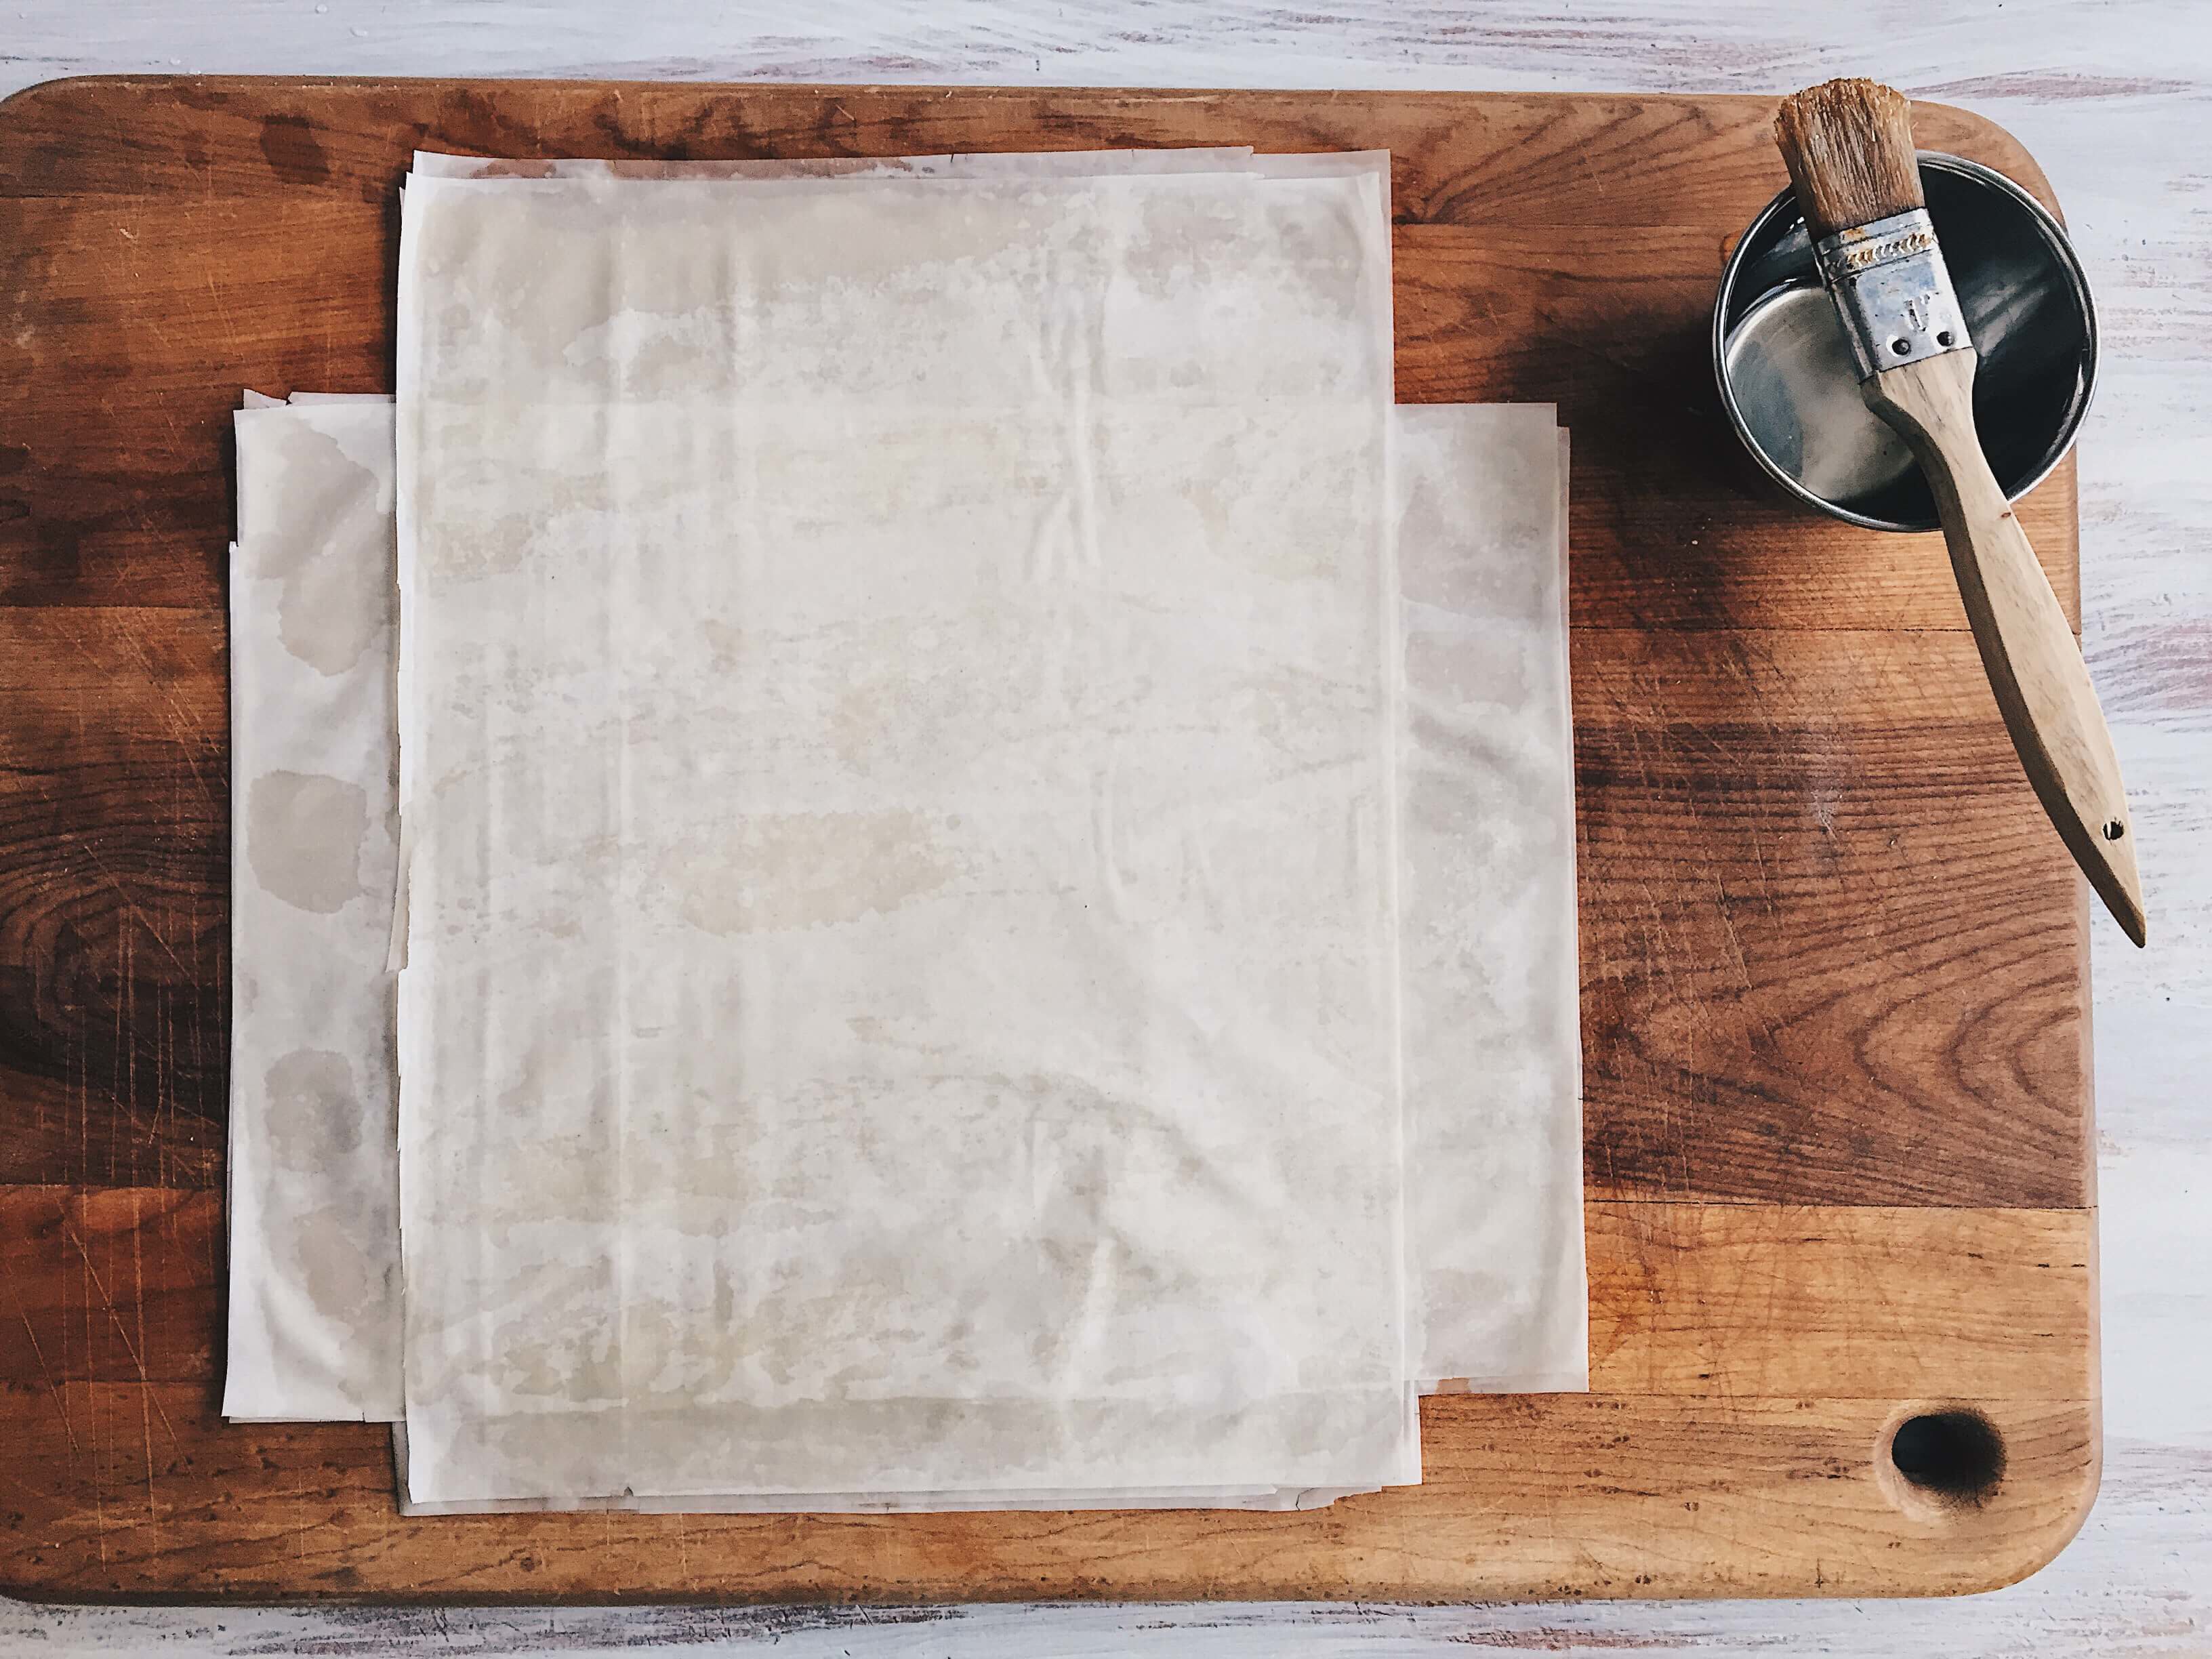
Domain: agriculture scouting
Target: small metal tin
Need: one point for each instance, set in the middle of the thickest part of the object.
(1790, 388)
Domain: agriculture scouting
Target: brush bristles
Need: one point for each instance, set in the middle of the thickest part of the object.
(1849, 148)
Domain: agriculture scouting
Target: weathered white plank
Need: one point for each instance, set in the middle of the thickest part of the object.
(2115, 100)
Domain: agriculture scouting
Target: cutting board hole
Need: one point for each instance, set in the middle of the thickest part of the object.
(2114, 830)
(1956, 1457)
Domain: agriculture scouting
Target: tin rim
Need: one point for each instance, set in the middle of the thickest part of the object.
(2054, 233)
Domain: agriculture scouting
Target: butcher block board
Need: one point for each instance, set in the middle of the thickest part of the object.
(1834, 963)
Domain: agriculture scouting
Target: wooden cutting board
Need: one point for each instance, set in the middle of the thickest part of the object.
(1834, 961)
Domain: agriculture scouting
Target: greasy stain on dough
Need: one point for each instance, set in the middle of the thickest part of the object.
(334, 604)
(306, 833)
(807, 870)
(314, 1111)
(340, 1277)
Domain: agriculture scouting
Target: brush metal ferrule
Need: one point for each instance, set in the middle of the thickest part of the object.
(1893, 291)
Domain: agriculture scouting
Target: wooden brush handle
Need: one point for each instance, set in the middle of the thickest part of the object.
(2034, 664)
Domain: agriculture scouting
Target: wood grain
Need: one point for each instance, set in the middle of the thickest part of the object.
(1761, 811)
(1764, 1428)
(1834, 969)
(1524, 274)
(1780, 1494)
(1830, 951)
(114, 894)
(109, 1284)
(115, 1285)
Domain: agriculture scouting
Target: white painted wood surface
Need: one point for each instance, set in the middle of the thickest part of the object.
(2115, 98)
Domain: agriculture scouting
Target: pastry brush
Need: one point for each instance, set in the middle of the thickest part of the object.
(1849, 148)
